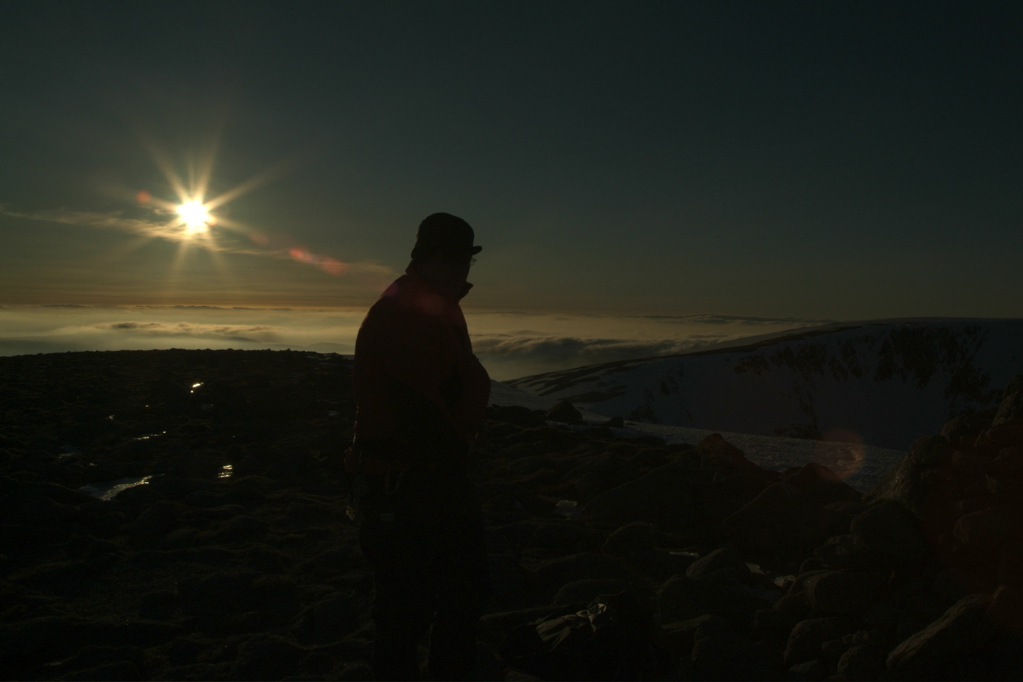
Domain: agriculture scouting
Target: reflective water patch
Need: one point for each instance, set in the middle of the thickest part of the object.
(108, 490)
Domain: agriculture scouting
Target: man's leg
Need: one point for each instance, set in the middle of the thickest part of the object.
(462, 583)
(402, 606)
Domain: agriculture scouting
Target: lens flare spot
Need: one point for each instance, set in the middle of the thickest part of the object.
(841, 450)
(143, 197)
(331, 266)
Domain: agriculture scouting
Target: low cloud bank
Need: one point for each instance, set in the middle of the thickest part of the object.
(509, 345)
(227, 332)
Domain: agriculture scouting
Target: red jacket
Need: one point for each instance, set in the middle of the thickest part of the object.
(417, 384)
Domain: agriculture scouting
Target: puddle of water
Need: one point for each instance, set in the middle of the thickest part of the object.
(68, 451)
(108, 490)
(226, 471)
(148, 436)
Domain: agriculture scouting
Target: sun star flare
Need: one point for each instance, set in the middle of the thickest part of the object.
(195, 216)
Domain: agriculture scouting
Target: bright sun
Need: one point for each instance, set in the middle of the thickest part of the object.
(195, 216)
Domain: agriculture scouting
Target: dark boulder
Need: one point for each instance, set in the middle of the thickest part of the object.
(889, 530)
(662, 497)
(906, 484)
(565, 413)
(930, 653)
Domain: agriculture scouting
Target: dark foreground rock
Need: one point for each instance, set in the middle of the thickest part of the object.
(235, 559)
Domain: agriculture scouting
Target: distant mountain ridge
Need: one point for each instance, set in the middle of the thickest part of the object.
(882, 382)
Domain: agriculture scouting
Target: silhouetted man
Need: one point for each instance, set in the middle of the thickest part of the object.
(421, 400)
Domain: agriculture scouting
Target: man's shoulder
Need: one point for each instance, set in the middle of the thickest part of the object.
(395, 297)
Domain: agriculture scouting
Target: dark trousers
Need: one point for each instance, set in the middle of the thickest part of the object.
(424, 540)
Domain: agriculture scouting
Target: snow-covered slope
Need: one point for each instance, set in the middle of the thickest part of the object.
(884, 383)
(862, 466)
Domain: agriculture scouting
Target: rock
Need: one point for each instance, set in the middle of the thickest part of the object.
(528, 464)
(820, 484)
(722, 565)
(219, 592)
(721, 653)
(277, 597)
(62, 494)
(356, 672)
(158, 605)
(1010, 409)
(1002, 435)
(808, 636)
(683, 598)
(139, 496)
(240, 529)
(155, 522)
(843, 592)
(1010, 565)
(904, 484)
(565, 413)
(661, 497)
(1008, 462)
(630, 539)
(565, 536)
(266, 657)
(600, 474)
(888, 529)
(715, 451)
(931, 652)
(516, 414)
(507, 584)
(651, 458)
(329, 619)
(779, 519)
(773, 626)
(40, 511)
(882, 615)
(981, 533)
(125, 671)
(582, 592)
(36, 641)
(955, 429)
(555, 573)
(792, 606)
(844, 551)
(1006, 608)
(815, 669)
(861, 662)
(680, 636)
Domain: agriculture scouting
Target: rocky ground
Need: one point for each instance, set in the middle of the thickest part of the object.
(236, 559)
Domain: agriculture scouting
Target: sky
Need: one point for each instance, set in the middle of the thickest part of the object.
(619, 161)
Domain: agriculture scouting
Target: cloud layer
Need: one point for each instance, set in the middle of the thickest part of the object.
(509, 345)
(227, 332)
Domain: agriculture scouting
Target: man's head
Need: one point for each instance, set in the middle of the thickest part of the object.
(447, 233)
(444, 250)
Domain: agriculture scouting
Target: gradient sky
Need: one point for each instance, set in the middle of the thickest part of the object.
(847, 160)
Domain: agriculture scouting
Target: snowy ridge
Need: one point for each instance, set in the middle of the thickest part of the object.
(861, 466)
(884, 382)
